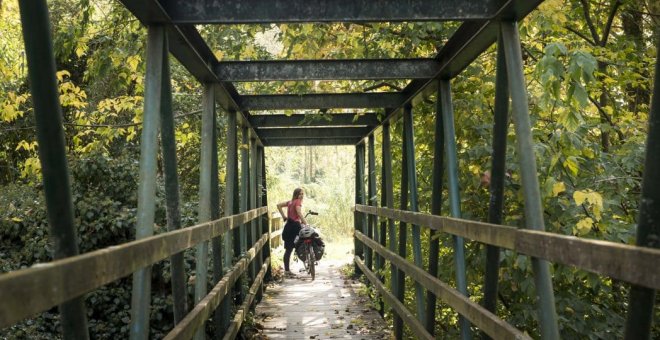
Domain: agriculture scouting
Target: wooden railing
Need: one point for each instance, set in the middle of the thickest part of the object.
(29, 291)
(636, 265)
(276, 226)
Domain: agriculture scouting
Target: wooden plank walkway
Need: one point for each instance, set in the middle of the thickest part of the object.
(326, 308)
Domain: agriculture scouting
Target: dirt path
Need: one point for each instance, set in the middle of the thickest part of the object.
(326, 308)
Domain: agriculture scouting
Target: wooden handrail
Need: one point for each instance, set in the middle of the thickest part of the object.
(478, 315)
(239, 317)
(196, 318)
(401, 310)
(32, 290)
(637, 265)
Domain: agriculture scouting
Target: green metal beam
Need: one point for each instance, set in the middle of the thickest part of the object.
(52, 151)
(359, 199)
(205, 180)
(329, 119)
(141, 294)
(231, 206)
(402, 239)
(371, 196)
(466, 44)
(640, 310)
(354, 69)
(316, 133)
(255, 234)
(173, 213)
(190, 49)
(216, 242)
(281, 11)
(411, 164)
(447, 113)
(311, 141)
(387, 186)
(321, 101)
(498, 161)
(436, 209)
(530, 183)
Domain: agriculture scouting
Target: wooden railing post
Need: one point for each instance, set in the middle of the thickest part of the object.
(52, 153)
(141, 295)
(530, 183)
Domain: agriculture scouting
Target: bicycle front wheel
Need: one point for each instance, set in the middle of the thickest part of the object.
(311, 261)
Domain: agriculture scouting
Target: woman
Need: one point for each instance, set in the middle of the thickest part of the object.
(294, 217)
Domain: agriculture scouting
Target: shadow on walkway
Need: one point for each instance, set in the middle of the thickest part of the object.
(326, 308)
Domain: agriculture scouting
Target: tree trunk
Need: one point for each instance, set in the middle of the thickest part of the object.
(633, 26)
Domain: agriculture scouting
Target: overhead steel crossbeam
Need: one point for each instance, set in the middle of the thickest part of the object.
(357, 69)
(315, 133)
(311, 141)
(465, 45)
(282, 11)
(321, 101)
(188, 46)
(328, 119)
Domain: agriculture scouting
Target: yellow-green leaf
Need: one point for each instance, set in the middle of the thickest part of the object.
(584, 226)
(558, 188)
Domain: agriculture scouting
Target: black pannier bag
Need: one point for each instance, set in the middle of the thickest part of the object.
(317, 243)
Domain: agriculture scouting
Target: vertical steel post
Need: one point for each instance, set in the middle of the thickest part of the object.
(359, 198)
(409, 149)
(256, 263)
(388, 194)
(400, 286)
(263, 220)
(436, 209)
(265, 227)
(640, 310)
(173, 214)
(444, 91)
(204, 215)
(246, 232)
(231, 178)
(141, 295)
(216, 242)
(371, 194)
(530, 184)
(52, 151)
(382, 232)
(500, 129)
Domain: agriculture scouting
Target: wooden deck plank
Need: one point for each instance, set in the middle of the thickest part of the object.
(326, 308)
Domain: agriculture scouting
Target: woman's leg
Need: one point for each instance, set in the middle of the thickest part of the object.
(287, 256)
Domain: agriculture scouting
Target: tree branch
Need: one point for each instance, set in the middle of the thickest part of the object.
(610, 19)
(579, 34)
(590, 23)
(607, 118)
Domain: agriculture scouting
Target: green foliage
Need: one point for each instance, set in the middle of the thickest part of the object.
(588, 86)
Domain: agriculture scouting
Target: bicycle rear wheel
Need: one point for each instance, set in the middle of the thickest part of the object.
(311, 262)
